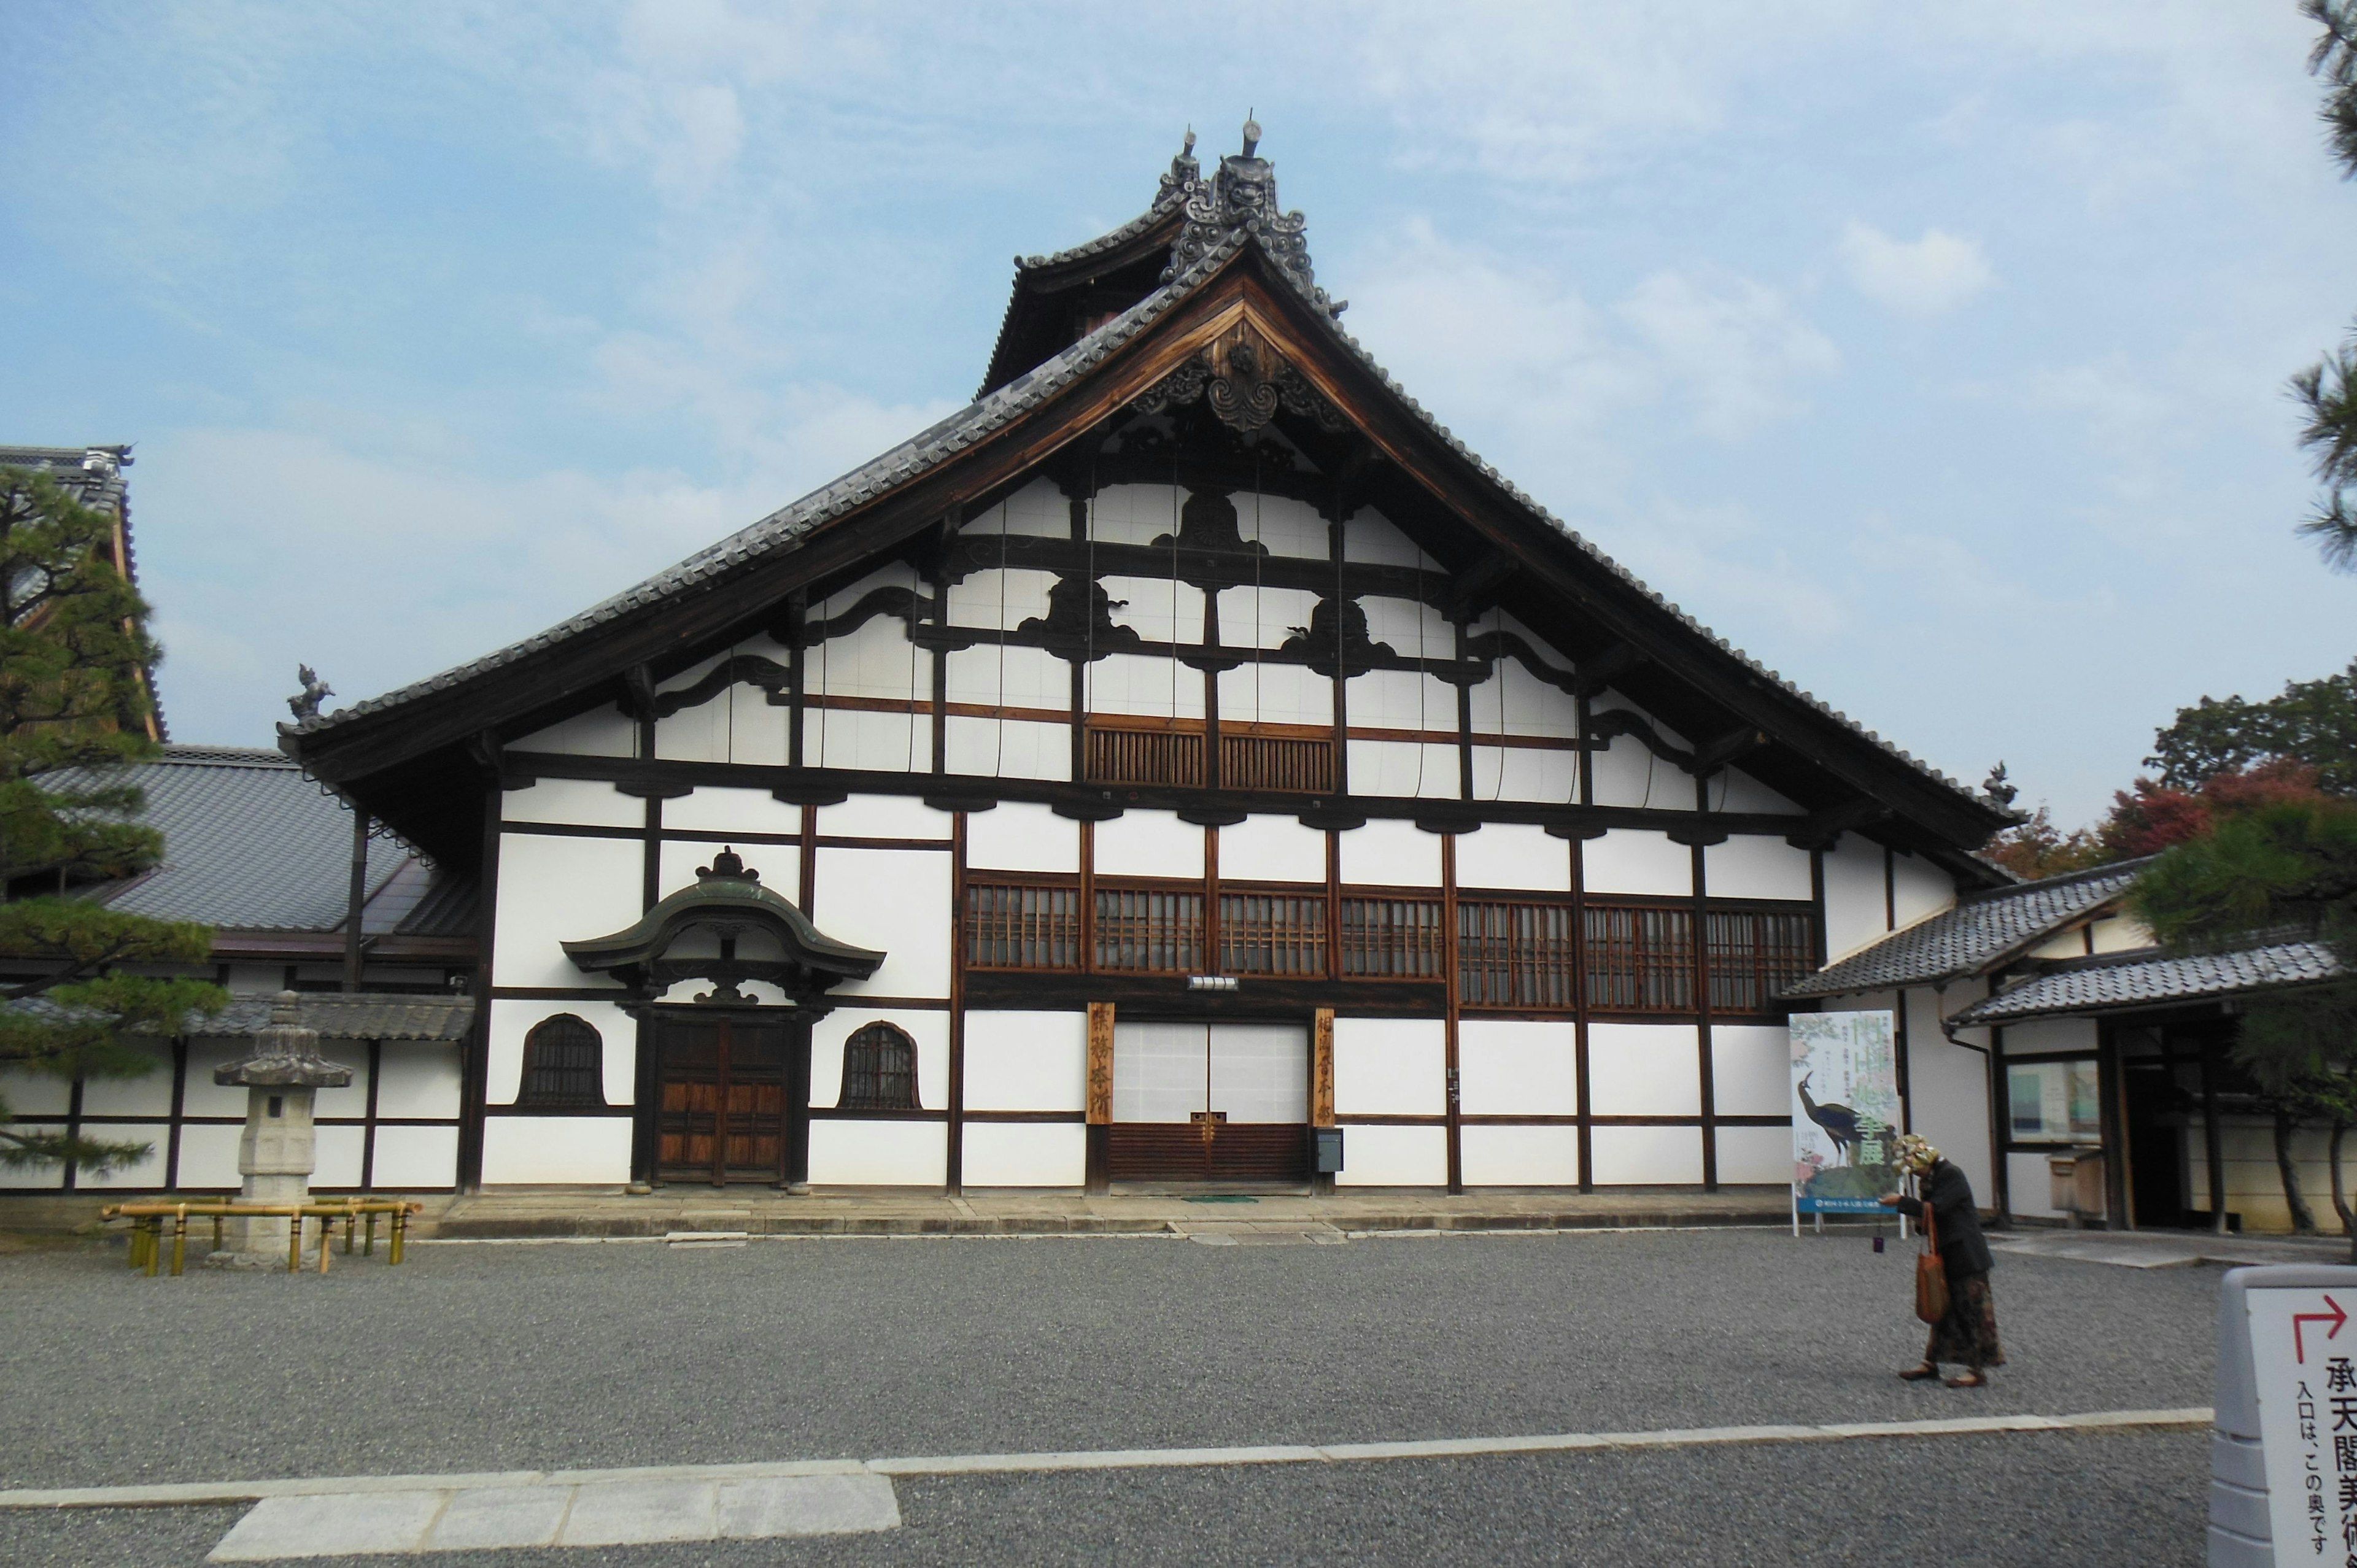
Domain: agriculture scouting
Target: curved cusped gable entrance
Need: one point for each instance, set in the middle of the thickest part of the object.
(728, 929)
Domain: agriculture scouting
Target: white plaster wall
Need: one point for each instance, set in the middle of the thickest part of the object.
(208, 1158)
(928, 1026)
(1403, 769)
(878, 1153)
(872, 742)
(1751, 1070)
(1286, 526)
(1647, 1156)
(601, 732)
(557, 1151)
(885, 817)
(893, 901)
(1370, 536)
(1388, 853)
(1644, 1069)
(1526, 773)
(1394, 1157)
(1922, 888)
(1159, 609)
(151, 1094)
(1038, 510)
(998, 599)
(2041, 1034)
(1628, 774)
(876, 659)
(1390, 1067)
(1018, 835)
(1411, 629)
(1948, 1086)
(1025, 1061)
(676, 859)
(1735, 791)
(1516, 702)
(1854, 911)
(711, 809)
(759, 731)
(421, 1077)
(1402, 699)
(202, 1096)
(1518, 1157)
(1010, 675)
(1272, 849)
(580, 802)
(1508, 1067)
(1753, 866)
(1142, 686)
(1006, 748)
(148, 1170)
(2121, 933)
(37, 1094)
(1007, 1154)
(1148, 843)
(1276, 694)
(1514, 856)
(339, 1156)
(554, 889)
(513, 1018)
(410, 1157)
(1135, 514)
(1259, 615)
(1637, 860)
(1761, 1155)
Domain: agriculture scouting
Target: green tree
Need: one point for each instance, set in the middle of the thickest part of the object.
(74, 658)
(2327, 389)
(2313, 723)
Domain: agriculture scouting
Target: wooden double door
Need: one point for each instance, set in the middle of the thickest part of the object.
(1209, 1102)
(732, 1101)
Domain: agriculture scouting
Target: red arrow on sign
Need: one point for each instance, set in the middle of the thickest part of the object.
(2336, 1317)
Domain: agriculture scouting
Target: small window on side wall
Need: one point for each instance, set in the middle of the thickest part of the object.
(879, 1070)
(564, 1067)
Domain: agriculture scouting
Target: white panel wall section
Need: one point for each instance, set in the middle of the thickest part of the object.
(1159, 609)
(52, 1178)
(874, 660)
(1286, 526)
(408, 1157)
(1148, 843)
(1735, 791)
(1370, 536)
(890, 575)
(1647, 1156)
(1135, 514)
(1517, 700)
(603, 731)
(1271, 849)
(1508, 1067)
(1644, 1069)
(1751, 1070)
(2044, 1035)
(1142, 687)
(1394, 1157)
(1403, 769)
(699, 733)
(208, 1158)
(556, 1151)
(1402, 699)
(339, 1154)
(1750, 866)
(711, 809)
(878, 1153)
(1258, 616)
(1514, 856)
(1038, 510)
(1411, 628)
(1755, 1154)
(1004, 1154)
(1637, 860)
(1922, 889)
(871, 742)
(421, 1077)
(893, 901)
(150, 1094)
(760, 730)
(1526, 773)
(1161, 1072)
(1260, 1073)
(885, 817)
(1011, 674)
(1854, 908)
(37, 1094)
(1948, 1086)
(580, 802)
(148, 1169)
(1516, 1156)
(351, 1099)
(1018, 835)
(1388, 853)
(1006, 748)
(998, 599)
(1264, 693)
(554, 889)
(1629, 774)
(928, 1026)
(512, 1018)
(2031, 1193)
(1025, 1061)
(203, 1097)
(2120, 933)
(676, 859)
(1389, 1067)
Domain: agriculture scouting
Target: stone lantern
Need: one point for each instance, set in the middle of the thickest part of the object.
(283, 1077)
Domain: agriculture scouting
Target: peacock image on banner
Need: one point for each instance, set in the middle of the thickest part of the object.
(1844, 1112)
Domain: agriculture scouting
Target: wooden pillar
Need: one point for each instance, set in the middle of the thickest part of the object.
(1450, 955)
(356, 899)
(1100, 1095)
(1579, 1005)
(475, 1057)
(953, 1175)
(2113, 1118)
(2214, 1142)
(798, 1121)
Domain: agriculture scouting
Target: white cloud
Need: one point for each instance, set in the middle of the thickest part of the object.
(1929, 276)
(1736, 346)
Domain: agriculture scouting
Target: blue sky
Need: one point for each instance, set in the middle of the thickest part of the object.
(1933, 355)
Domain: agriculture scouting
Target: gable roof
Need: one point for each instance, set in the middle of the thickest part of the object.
(2131, 981)
(1227, 264)
(1982, 932)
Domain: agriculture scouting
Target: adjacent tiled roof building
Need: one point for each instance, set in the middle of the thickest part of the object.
(2146, 980)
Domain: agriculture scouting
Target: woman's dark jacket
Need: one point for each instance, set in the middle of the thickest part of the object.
(1963, 1251)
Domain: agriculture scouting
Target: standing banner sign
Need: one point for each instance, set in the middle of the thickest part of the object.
(2305, 1368)
(1845, 1112)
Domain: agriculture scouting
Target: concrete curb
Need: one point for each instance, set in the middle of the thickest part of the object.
(544, 1227)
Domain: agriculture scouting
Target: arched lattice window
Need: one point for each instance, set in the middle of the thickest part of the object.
(879, 1070)
(564, 1066)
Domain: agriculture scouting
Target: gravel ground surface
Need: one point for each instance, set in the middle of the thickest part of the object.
(514, 1357)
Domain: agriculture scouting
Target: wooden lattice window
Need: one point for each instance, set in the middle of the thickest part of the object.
(879, 1070)
(1516, 955)
(1149, 930)
(1273, 933)
(1144, 752)
(1299, 764)
(564, 1067)
(1639, 960)
(1022, 926)
(1391, 939)
(1756, 953)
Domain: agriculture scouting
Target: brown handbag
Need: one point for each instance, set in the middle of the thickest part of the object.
(1931, 1274)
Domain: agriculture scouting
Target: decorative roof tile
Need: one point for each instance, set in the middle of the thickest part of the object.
(2108, 984)
(350, 1016)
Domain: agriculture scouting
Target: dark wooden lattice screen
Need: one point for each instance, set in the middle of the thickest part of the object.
(1516, 955)
(1118, 754)
(1639, 960)
(1391, 939)
(564, 1066)
(1273, 933)
(1754, 954)
(879, 1070)
(1022, 926)
(1149, 930)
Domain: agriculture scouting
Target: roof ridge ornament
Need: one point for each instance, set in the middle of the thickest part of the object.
(1241, 196)
(1186, 176)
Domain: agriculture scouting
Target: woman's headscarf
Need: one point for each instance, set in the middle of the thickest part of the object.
(1916, 1154)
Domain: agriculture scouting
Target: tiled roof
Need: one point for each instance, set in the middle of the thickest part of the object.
(1982, 929)
(786, 527)
(351, 1015)
(2102, 985)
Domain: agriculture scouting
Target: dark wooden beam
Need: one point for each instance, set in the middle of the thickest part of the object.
(1716, 753)
(1475, 589)
(1607, 667)
(1818, 830)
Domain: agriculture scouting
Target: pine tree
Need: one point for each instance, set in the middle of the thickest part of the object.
(2327, 389)
(74, 662)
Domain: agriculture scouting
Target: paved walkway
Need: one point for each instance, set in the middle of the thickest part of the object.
(2171, 1249)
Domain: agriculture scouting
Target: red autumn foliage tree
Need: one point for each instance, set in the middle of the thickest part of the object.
(2154, 817)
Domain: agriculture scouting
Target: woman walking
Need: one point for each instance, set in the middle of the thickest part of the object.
(1967, 1335)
